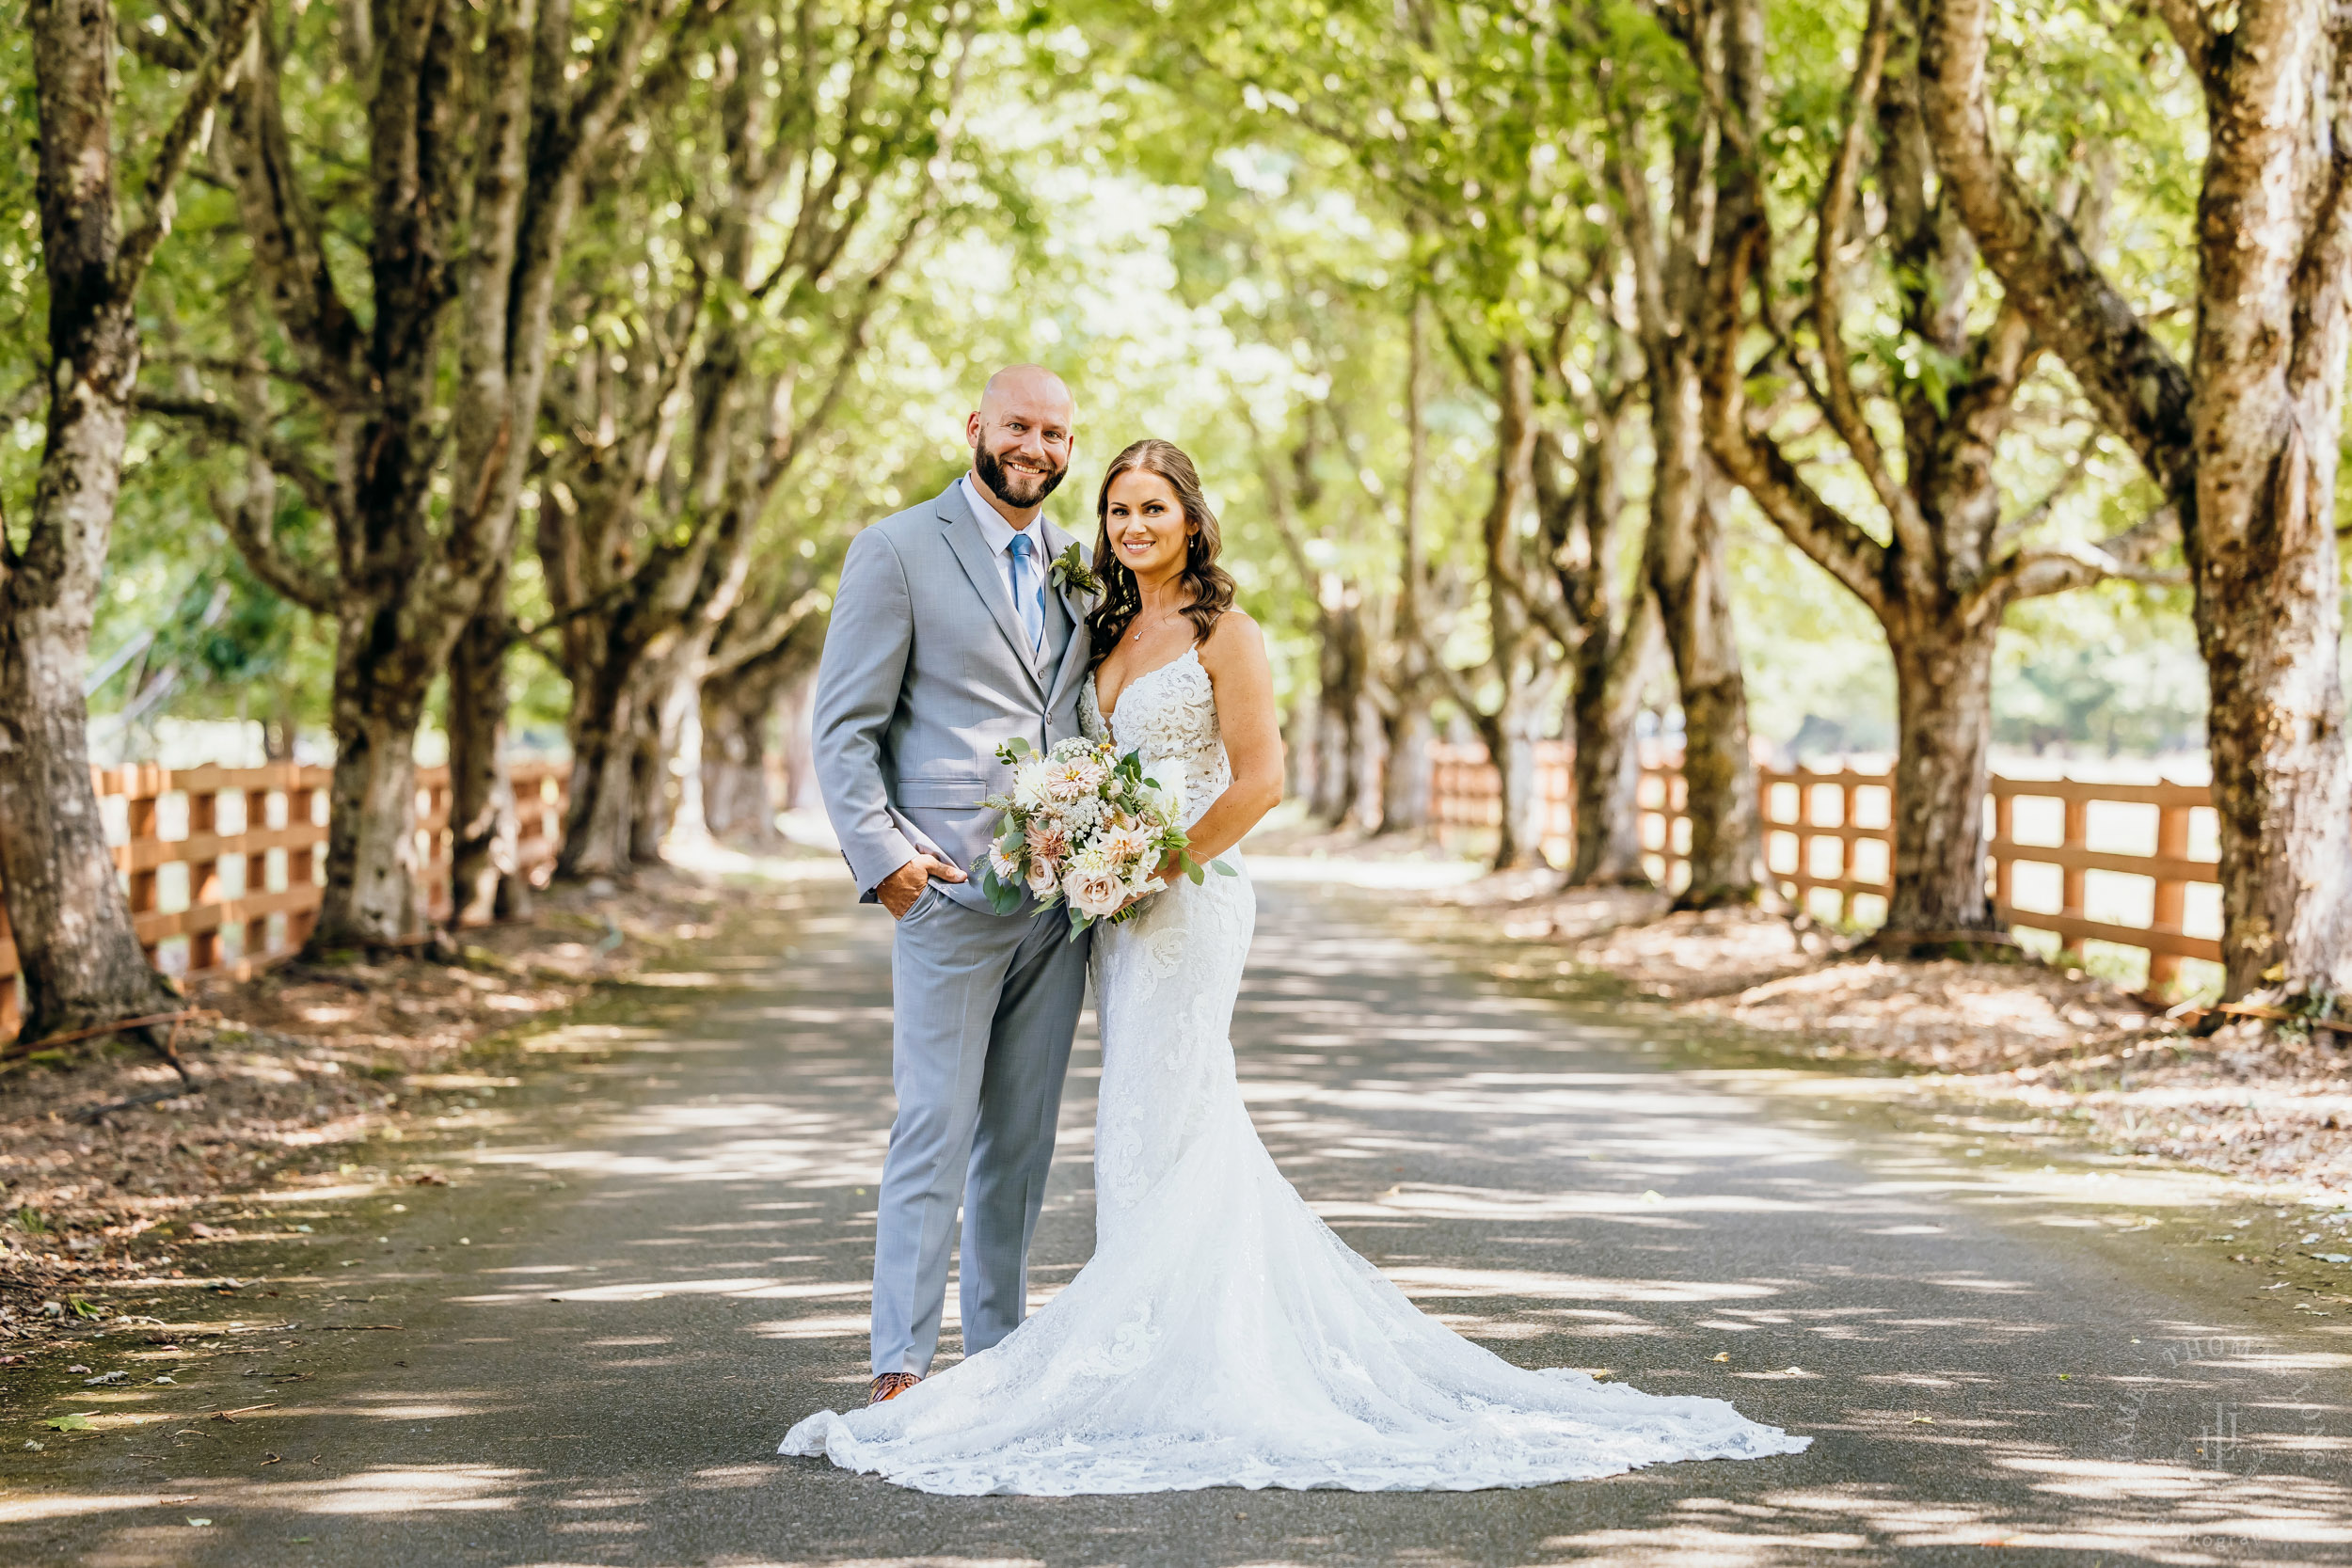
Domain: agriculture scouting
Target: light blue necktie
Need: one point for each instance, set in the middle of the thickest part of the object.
(1027, 597)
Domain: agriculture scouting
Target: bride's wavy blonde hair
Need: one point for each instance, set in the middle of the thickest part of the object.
(1210, 585)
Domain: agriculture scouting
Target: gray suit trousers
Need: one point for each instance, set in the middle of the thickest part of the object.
(985, 1005)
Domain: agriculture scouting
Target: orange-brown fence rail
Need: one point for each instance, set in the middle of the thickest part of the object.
(1831, 832)
(223, 866)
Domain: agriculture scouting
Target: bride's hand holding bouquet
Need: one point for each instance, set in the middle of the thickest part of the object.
(1085, 826)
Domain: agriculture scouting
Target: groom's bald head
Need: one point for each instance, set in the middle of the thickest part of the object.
(1031, 387)
(1021, 435)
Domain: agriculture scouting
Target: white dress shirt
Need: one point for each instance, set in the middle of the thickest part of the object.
(999, 533)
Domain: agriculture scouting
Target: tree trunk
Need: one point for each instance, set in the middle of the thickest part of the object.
(1338, 757)
(486, 880)
(1943, 702)
(602, 728)
(678, 761)
(371, 862)
(1405, 770)
(1518, 843)
(278, 731)
(797, 767)
(78, 953)
(1300, 747)
(1615, 647)
(1684, 560)
(738, 795)
(1339, 751)
(1612, 674)
(1511, 639)
(2269, 623)
(758, 683)
(649, 793)
(80, 961)
(737, 804)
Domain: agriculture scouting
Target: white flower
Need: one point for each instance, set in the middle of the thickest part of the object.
(1006, 868)
(1126, 846)
(1042, 879)
(1031, 789)
(1081, 816)
(1093, 890)
(1164, 784)
(1073, 778)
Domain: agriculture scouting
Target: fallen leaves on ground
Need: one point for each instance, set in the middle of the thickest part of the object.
(305, 1062)
(2081, 1058)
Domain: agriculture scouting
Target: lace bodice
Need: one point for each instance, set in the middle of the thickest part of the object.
(1168, 713)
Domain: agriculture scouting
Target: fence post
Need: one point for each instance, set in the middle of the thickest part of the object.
(2004, 826)
(2172, 901)
(1805, 826)
(204, 878)
(1845, 844)
(302, 809)
(139, 803)
(12, 1012)
(253, 935)
(2072, 877)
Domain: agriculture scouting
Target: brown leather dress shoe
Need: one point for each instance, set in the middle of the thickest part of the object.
(890, 1386)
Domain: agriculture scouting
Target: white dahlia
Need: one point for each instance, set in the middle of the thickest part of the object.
(1126, 846)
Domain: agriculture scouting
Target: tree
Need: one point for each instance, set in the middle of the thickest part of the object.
(1409, 670)
(487, 879)
(766, 649)
(1344, 667)
(1517, 645)
(471, 131)
(1944, 566)
(686, 404)
(1670, 235)
(81, 960)
(2241, 441)
(1615, 645)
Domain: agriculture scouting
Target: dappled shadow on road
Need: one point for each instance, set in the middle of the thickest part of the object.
(691, 1233)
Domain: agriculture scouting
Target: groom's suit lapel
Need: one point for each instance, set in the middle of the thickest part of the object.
(1074, 654)
(979, 564)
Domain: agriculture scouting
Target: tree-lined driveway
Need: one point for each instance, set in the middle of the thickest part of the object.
(657, 1262)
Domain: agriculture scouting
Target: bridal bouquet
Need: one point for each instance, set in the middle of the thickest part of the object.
(1085, 828)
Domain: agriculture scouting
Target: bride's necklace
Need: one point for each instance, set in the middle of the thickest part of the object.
(1163, 621)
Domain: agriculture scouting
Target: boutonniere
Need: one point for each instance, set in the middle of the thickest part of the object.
(1069, 570)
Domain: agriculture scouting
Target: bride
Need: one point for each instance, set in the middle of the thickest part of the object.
(1221, 1334)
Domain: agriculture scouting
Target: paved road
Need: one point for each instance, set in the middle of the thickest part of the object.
(656, 1262)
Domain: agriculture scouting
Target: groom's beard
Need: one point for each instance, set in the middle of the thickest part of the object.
(1013, 487)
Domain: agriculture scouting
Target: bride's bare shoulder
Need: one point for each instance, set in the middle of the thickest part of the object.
(1235, 632)
(1235, 649)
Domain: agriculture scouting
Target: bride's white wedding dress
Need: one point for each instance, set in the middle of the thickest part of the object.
(1222, 1336)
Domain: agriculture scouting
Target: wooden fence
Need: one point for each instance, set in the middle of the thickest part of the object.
(235, 885)
(1832, 833)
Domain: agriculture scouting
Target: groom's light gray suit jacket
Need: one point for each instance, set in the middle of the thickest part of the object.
(926, 670)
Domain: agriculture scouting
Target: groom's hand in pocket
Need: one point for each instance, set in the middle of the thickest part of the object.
(902, 888)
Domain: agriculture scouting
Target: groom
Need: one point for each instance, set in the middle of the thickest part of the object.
(951, 635)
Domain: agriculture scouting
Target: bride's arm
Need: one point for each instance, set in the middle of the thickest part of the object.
(1235, 656)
